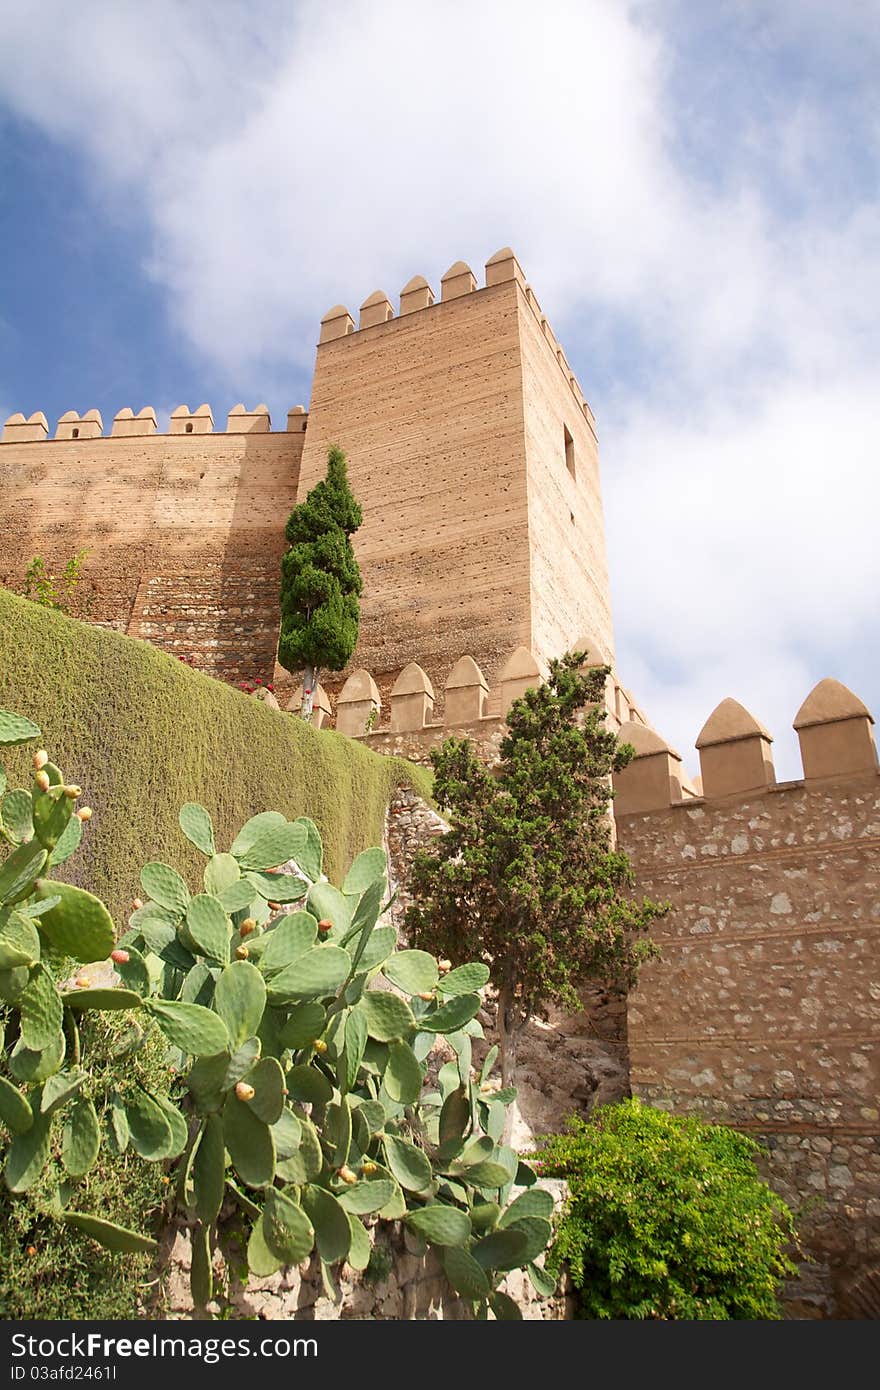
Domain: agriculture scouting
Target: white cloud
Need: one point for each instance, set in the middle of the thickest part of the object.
(294, 156)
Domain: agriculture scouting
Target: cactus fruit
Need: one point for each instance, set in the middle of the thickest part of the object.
(325, 925)
(40, 759)
(73, 791)
(244, 1091)
(347, 1175)
(83, 982)
(137, 903)
(84, 813)
(247, 926)
(120, 957)
(241, 952)
(42, 780)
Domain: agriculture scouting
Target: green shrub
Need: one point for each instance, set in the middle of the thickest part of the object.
(47, 1270)
(667, 1218)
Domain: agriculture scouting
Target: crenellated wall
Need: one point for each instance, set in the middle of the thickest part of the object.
(416, 719)
(183, 531)
(764, 1010)
(477, 534)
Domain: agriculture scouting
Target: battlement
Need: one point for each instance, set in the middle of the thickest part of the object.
(377, 310)
(409, 722)
(834, 731)
(127, 424)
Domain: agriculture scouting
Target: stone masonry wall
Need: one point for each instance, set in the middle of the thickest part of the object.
(184, 534)
(764, 1011)
(405, 1281)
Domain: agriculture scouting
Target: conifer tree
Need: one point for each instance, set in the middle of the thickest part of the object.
(320, 580)
(527, 878)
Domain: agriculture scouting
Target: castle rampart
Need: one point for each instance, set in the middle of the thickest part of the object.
(183, 531)
(764, 1010)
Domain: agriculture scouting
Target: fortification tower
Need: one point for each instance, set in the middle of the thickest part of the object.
(474, 455)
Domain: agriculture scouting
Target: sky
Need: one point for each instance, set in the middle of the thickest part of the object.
(692, 189)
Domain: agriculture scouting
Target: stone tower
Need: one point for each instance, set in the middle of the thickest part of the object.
(474, 455)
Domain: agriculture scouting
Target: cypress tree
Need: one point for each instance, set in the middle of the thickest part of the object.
(320, 580)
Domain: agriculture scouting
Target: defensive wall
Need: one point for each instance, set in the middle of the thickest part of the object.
(764, 1009)
(184, 531)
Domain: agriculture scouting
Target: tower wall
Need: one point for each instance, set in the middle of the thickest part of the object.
(428, 408)
(570, 597)
(476, 536)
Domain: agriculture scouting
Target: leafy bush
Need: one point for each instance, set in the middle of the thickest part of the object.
(299, 1073)
(667, 1218)
(47, 1270)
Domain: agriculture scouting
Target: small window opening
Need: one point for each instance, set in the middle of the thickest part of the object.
(569, 451)
(74, 434)
(189, 426)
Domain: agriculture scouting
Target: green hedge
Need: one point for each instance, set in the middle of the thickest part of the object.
(142, 734)
(667, 1218)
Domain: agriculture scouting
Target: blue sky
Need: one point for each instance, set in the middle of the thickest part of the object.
(693, 190)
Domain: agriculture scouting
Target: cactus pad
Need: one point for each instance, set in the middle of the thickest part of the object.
(388, 1016)
(240, 998)
(15, 729)
(15, 1111)
(108, 1234)
(287, 1230)
(79, 925)
(209, 927)
(81, 1139)
(189, 1026)
(440, 1224)
(165, 886)
(197, 826)
(415, 972)
(251, 1144)
(316, 974)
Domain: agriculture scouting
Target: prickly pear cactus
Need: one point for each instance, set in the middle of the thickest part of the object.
(303, 1036)
(300, 1036)
(49, 933)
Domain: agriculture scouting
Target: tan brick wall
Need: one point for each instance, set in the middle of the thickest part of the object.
(569, 566)
(476, 538)
(184, 532)
(428, 408)
(765, 1009)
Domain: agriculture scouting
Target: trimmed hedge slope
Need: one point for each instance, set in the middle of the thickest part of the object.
(143, 734)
